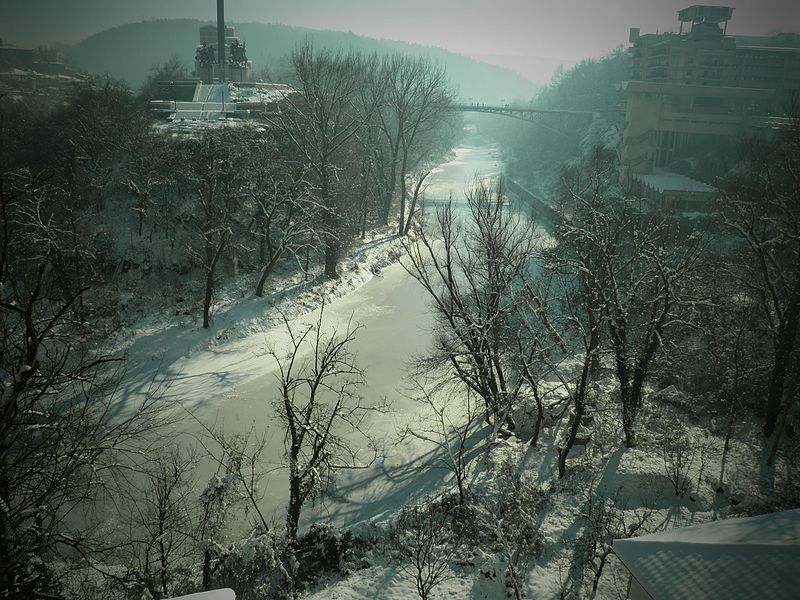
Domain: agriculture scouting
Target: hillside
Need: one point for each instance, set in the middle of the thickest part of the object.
(128, 52)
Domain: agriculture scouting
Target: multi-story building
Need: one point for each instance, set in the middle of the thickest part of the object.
(698, 90)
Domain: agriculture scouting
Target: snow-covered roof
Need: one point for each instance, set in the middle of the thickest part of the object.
(666, 181)
(223, 594)
(219, 101)
(756, 557)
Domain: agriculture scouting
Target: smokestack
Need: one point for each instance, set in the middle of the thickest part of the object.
(221, 39)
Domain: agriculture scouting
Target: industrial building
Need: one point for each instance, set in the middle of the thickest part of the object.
(697, 92)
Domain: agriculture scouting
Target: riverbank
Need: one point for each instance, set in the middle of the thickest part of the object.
(221, 377)
(173, 353)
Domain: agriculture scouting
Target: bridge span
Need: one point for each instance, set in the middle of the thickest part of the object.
(526, 113)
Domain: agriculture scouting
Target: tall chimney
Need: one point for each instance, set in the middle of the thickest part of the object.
(221, 39)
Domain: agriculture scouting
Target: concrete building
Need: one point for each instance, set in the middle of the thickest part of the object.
(699, 90)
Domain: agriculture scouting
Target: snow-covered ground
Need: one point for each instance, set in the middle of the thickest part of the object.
(200, 364)
(635, 481)
(222, 378)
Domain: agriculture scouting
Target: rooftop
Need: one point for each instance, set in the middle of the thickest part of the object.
(666, 181)
(745, 558)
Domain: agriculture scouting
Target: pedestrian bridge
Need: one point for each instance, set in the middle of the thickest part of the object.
(527, 113)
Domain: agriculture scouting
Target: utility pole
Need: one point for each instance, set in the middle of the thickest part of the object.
(221, 39)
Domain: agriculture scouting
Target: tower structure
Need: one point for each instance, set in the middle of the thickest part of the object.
(221, 39)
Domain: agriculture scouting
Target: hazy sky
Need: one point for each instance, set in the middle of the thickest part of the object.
(514, 32)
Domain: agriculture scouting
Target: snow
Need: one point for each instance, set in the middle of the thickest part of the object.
(198, 364)
(222, 376)
(666, 181)
(773, 529)
(213, 102)
(223, 594)
(754, 557)
(633, 478)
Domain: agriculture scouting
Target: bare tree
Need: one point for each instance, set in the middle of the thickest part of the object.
(428, 543)
(506, 523)
(607, 522)
(284, 209)
(321, 410)
(448, 427)
(731, 361)
(761, 204)
(634, 269)
(470, 279)
(320, 120)
(220, 494)
(416, 197)
(552, 331)
(414, 98)
(158, 506)
(62, 431)
(144, 172)
(240, 456)
(214, 176)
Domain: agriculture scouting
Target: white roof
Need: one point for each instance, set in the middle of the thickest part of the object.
(756, 557)
(666, 181)
(223, 594)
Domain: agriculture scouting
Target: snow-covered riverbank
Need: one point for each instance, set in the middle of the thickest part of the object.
(222, 376)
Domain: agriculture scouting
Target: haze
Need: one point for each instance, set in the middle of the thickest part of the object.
(530, 36)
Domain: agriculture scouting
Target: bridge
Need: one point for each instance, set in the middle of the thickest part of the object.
(526, 113)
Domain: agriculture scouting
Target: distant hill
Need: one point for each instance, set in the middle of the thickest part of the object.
(128, 52)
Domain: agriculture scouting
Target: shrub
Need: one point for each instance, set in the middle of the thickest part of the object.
(325, 549)
(428, 543)
(678, 453)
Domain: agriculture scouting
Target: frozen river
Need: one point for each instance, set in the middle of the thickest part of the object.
(396, 324)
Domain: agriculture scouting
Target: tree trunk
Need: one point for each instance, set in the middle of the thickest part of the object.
(206, 569)
(790, 396)
(330, 231)
(366, 169)
(210, 271)
(265, 271)
(563, 451)
(539, 418)
(401, 223)
(207, 298)
(331, 259)
(729, 429)
(784, 347)
(580, 407)
(293, 509)
(628, 418)
(414, 202)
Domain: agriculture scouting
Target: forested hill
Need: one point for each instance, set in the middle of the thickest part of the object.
(128, 52)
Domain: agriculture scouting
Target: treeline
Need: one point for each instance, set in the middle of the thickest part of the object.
(536, 151)
(92, 192)
(627, 292)
(97, 191)
(624, 327)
